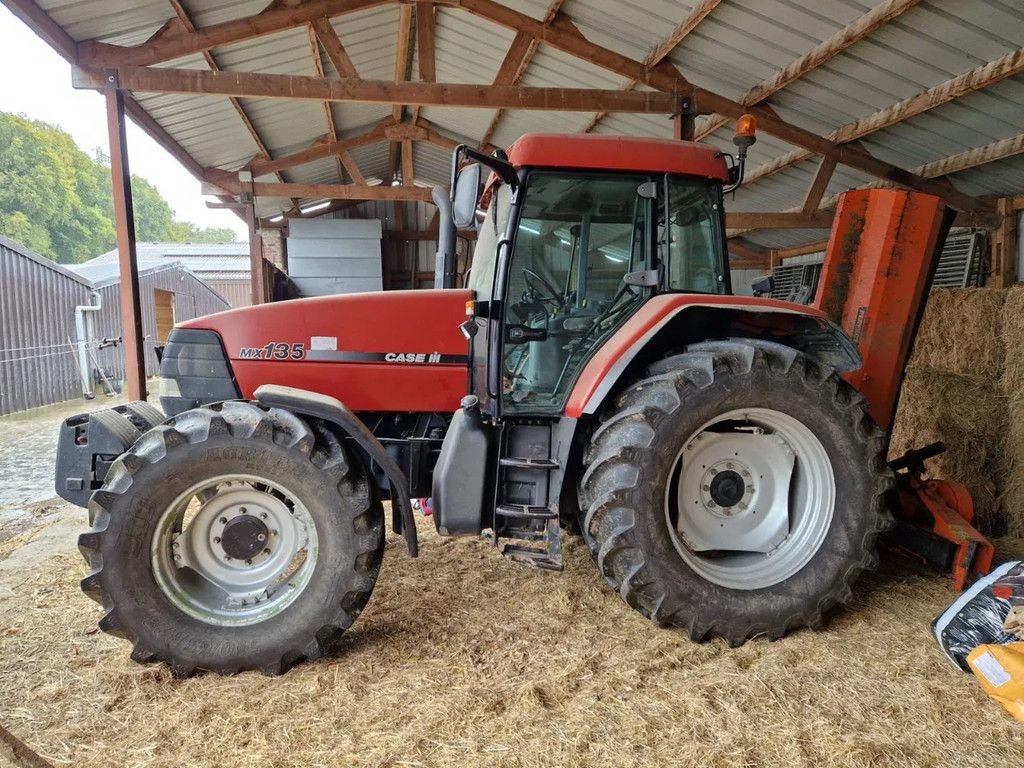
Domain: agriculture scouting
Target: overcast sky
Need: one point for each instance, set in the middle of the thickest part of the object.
(37, 84)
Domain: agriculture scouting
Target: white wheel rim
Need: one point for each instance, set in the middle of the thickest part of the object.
(195, 569)
(750, 499)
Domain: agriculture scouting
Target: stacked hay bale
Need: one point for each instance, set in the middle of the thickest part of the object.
(954, 392)
(1012, 385)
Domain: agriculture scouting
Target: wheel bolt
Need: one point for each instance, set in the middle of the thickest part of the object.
(241, 510)
(266, 551)
(263, 515)
(705, 487)
(216, 539)
(261, 537)
(177, 558)
(273, 533)
(223, 520)
(248, 562)
(227, 558)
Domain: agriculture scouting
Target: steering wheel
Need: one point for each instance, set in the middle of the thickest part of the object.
(533, 280)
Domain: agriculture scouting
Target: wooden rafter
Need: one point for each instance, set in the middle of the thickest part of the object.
(403, 62)
(825, 51)
(318, 151)
(408, 170)
(518, 57)
(331, 43)
(301, 87)
(569, 40)
(186, 23)
(426, 54)
(318, 66)
(812, 200)
(975, 80)
(700, 12)
(229, 183)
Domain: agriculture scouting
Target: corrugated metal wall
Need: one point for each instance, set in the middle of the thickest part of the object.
(38, 364)
(237, 293)
(192, 298)
(329, 256)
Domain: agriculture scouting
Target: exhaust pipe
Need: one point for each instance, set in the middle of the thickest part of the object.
(82, 337)
(445, 263)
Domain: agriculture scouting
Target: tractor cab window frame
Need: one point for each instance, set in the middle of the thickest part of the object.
(691, 243)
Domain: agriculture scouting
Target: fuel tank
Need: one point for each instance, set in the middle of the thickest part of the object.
(386, 351)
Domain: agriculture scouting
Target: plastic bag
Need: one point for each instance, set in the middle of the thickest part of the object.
(1000, 670)
(976, 617)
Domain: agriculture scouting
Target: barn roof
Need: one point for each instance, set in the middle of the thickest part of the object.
(934, 87)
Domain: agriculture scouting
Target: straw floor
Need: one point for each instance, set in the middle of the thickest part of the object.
(464, 659)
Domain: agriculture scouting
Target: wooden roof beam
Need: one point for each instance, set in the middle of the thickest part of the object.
(975, 80)
(229, 183)
(666, 78)
(319, 151)
(171, 46)
(700, 12)
(517, 59)
(825, 51)
(316, 31)
(300, 87)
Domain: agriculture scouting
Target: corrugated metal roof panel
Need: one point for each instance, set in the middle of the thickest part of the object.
(370, 39)
(431, 163)
(468, 48)
(633, 28)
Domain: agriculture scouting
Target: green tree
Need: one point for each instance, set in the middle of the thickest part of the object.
(57, 200)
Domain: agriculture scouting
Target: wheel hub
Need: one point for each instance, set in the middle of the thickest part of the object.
(728, 488)
(244, 537)
(734, 492)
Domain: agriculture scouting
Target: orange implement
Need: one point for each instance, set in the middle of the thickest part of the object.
(881, 255)
(933, 521)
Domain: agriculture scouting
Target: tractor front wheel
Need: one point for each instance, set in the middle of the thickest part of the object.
(737, 490)
(233, 537)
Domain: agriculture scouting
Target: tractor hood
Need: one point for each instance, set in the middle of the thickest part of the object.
(386, 351)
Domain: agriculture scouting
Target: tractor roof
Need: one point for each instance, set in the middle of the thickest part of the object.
(617, 153)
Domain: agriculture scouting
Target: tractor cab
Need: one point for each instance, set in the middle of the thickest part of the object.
(574, 234)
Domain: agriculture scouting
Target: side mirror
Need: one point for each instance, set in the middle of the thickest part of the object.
(465, 196)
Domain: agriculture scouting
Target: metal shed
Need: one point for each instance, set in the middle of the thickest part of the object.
(162, 287)
(38, 363)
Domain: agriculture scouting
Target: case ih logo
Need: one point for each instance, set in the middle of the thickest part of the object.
(412, 357)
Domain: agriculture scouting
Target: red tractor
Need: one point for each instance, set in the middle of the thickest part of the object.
(595, 374)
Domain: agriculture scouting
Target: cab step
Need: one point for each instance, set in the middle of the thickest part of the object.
(525, 463)
(526, 512)
(549, 558)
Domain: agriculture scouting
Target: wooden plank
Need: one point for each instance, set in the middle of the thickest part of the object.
(820, 183)
(403, 58)
(700, 12)
(1004, 247)
(822, 53)
(352, 167)
(317, 152)
(777, 220)
(408, 171)
(275, 19)
(331, 43)
(569, 40)
(329, 191)
(426, 55)
(318, 66)
(976, 79)
(518, 57)
(300, 87)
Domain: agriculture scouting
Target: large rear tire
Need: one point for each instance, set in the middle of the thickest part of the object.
(231, 538)
(737, 490)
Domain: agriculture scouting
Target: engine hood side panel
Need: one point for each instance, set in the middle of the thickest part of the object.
(386, 351)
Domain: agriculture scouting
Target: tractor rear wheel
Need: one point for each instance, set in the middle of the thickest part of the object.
(233, 537)
(737, 490)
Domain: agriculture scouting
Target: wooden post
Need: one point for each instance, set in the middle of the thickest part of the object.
(683, 127)
(1004, 246)
(258, 289)
(124, 223)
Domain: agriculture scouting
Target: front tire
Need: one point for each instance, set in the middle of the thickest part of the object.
(231, 538)
(686, 459)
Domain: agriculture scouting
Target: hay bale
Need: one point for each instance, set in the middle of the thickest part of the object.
(1012, 386)
(969, 415)
(961, 332)
(1012, 335)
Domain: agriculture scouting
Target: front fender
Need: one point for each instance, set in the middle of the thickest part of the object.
(329, 409)
(669, 322)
